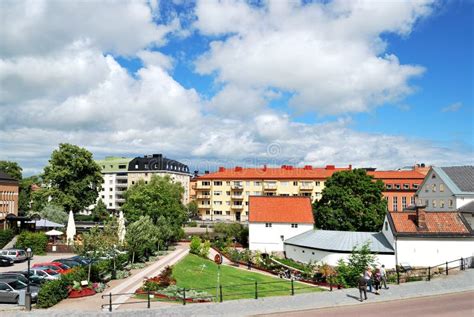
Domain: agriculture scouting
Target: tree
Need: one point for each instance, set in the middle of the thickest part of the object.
(12, 169)
(232, 231)
(160, 199)
(192, 209)
(359, 260)
(351, 201)
(26, 193)
(73, 178)
(100, 213)
(53, 213)
(141, 236)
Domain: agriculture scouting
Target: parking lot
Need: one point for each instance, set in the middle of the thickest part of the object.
(20, 266)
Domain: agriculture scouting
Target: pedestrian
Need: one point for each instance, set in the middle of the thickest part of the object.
(377, 279)
(362, 287)
(383, 272)
(368, 278)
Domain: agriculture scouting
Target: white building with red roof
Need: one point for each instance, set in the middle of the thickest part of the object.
(273, 219)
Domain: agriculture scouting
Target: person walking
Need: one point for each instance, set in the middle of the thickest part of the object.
(383, 273)
(377, 279)
(362, 287)
(368, 278)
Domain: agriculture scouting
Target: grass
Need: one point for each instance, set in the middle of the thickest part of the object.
(198, 273)
(291, 263)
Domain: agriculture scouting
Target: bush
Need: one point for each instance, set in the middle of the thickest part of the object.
(5, 237)
(51, 293)
(122, 274)
(84, 217)
(77, 274)
(37, 241)
(192, 224)
(205, 247)
(195, 245)
(359, 260)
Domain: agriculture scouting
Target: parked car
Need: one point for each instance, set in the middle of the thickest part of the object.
(69, 262)
(56, 266)
(20, 276)
(6, 261)
(16, 255)
(43, 272)
(10, 291)
(80, 259)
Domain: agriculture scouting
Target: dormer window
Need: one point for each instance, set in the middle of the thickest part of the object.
(388, 186)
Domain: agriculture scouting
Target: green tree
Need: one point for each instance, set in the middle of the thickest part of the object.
(351, 201)
(12, 169)
(141, 236)
(53, 213)
(195, 245)
(160, 199)
(100, 213)
(26, 193)
(74, 179)
(192, 209)
(360, 259)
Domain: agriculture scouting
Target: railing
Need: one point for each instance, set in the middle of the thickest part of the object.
(253, 290)
(269, 186)
(428, 272)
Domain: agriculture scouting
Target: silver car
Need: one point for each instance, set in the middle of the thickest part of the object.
(10, 291)
(16, 255)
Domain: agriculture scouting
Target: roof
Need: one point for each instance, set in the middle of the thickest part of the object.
(45, 223)
(112, 164)
(7, 179)
(156, 162)
(280, 209)
(274, 173)
(461, 176)
(341, 241)
(437, 224)
(467, 207)
(401, 174)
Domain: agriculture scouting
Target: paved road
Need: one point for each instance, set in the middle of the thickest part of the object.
(20, 266)
(453, 305)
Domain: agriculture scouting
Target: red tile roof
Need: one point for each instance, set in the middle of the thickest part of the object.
(396, 175)
(280, 209)
(272, 173)
(436, 223)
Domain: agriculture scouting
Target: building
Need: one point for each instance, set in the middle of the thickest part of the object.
(274, 219)
(400, 185)
(428, 238)
(328, 246)
(447, 188)
(9, 189)
(121, 173)
(224, 195)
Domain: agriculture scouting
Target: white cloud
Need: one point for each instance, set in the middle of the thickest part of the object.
(454, 107)
(330, 56)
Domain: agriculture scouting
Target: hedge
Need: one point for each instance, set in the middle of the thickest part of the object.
(5, 237)
(51, 293)
(37, 241)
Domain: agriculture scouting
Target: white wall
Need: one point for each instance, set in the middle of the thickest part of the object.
(305, 255)
(267, 239)
(433, 251)
(461, 201)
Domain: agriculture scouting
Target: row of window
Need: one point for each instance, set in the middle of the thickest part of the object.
(220, 212)
(400, 186)
(269, 225)
(442, 204)
(259, 183)
(433, 188)
(404, 202)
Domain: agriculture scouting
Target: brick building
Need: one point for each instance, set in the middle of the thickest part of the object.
(8, 197)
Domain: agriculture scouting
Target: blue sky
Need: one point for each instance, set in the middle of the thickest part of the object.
(384, 84)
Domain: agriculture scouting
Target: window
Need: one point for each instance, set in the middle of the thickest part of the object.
(146, 166)
(110, 182)
(302, 251)
(110, 196)
(110, 204)
(282, 238)
(122, 166)
(133, 182)
(295, 183)
(388, 186)
(257, 183)
(218, 212)
(415, 186)
(395, 204)
(217, 183)
(103, 196)
(434, 203)
(397, 186)
(441, 204)
(247, 183)
(317, 184)
(227, 203)
(146, 174)
(208, 212)
(294, 225)
(441, 187)
(312, 253)
(217, 193)
(433, 176)
(206, 183)
(427, 202)
(284, 183)
(268, 225)
(111, 189)
(412, 200)
(406, 186)
(434, 188)
(451, 203)
(227, 193)
(386, 225)
(227, 212)
(136, 166)
(404, 203)
(247, 194)
(227, 183)
(246, 203)
(146, 182)
(217, 203)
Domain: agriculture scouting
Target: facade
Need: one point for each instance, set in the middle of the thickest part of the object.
(121, 173)
(274, 219)
(447, 188)
(400, 186)
(423, 238)
(224, 195)
(8, 197)
(328, 246)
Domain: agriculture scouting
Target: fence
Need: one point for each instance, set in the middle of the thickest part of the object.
(411, 274)
(215, 294)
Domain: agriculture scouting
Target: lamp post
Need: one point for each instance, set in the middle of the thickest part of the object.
(29, 254)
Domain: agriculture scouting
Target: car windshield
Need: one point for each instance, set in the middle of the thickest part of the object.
(63, 266)
(17, 285)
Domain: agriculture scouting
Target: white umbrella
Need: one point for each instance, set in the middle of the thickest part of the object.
(71, 229)
(121, 227)
(53, 232)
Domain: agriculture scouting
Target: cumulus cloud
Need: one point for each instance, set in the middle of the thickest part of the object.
(330, 56)
(454, 107)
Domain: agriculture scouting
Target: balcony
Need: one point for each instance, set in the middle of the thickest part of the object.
(203, 196)
(204, 206)
(305, 187)
(119, 200)
(238, 207)
(121, 177)
(237, 197)
(236, 187)
(202, 186)
(121, 185)
(269, 186)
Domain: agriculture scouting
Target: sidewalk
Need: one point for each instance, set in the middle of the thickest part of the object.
(460, 282)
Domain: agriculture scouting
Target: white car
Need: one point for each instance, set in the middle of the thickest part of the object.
(16, 255)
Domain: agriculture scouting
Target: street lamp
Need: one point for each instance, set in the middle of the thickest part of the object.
(29, 254)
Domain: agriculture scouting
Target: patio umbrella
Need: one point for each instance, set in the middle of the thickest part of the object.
(53, 232)
(71, 228)
(121, 227)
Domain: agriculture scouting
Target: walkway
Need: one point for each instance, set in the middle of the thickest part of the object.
(461, 282)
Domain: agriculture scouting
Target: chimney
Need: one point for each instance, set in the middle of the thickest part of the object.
(350, 167)
(265, 167)
(238, 169)
(421, 217)
(206, 172)
(308, 167)
(221, 169)
(330, 167)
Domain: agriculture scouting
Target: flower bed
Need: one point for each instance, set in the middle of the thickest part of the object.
(86, 291)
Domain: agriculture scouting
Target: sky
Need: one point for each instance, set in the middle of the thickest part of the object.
(385, 84)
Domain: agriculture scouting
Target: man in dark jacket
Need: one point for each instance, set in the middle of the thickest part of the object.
(362, 287)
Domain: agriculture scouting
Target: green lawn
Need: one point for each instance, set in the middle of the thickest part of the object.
(198, 273)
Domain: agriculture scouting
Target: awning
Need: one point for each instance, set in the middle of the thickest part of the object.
(45, 223)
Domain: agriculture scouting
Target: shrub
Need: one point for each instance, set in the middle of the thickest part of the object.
(192, 224)
(204, 252)
(5, 237)
(165, 278)
(122, 274)
(77, 274)
(359, 260)
(37, 241)
(51, 293)
(195, 245)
